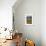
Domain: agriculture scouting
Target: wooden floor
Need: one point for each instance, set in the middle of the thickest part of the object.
(9, 43)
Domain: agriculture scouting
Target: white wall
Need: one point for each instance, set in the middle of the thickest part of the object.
(30, 31)
(6, 13)
(43, 22)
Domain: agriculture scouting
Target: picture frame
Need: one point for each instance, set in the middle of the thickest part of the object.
(28, 19)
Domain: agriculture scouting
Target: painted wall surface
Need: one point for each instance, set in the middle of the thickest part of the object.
(33, 31)
(43, 22)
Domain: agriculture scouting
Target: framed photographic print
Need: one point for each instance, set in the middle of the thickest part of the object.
(28, 19)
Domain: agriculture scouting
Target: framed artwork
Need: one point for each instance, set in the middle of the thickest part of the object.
(28, 19)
